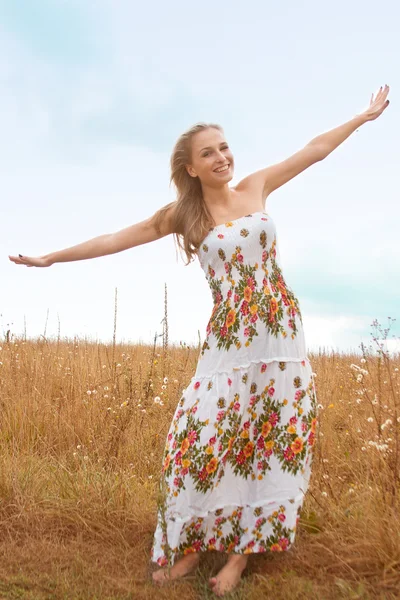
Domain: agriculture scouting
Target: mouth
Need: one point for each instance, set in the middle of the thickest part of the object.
(222, 169)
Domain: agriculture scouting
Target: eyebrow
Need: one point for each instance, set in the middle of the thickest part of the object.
(210, 147)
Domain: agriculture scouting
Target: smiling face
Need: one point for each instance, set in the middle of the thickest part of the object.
(212, 159)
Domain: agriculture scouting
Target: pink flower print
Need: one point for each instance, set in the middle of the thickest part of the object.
(239, 258)
(239, 516)
(291, 323)
(240, 458)
(184, 471)
(197, 545)
(253, 318)
(236, 298)
(169, 437)
(194, 409)
(261, 549)
(293, 420)
(212, 272)
(246, 332)
(271, 391)
(220, 448)
(244, 308)
(174, 444)
(220, 415)
(259, 522)
(212, 440)
(260, 443)
(212, 541)
(176, 481)
(263, 367)
(255, 431)
(303, 362)
(298, 395)
(236, 406)
(226, 265)
(229, 294)
(246, 425)
(250, 282)
(236, 539)
(268, 452)
(288, 453)
(220, 236)
(197, 385)
(281, 517)
(223, 331)
(192, 436)
(259, 467)
(252, 400)
(178, 457)
(229, 381)
(283, 542)
(218, 521)
(197, 526)
(273, 418)
(203, 474)
(221, 548)
(264, 257)
(304, 426)
(179, 413)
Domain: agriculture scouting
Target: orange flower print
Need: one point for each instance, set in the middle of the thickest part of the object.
(247, 293)
(248, 449)
(266, 428)
(269, 444)
(276, 548)
(230, 443)
(273, 305)
(212, 465)
(184, 446)
(291, 429)
(230, 319)
(297, 445)
(314, 425)
(166, 462)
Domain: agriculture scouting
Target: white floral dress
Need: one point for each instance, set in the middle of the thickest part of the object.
(238, 454)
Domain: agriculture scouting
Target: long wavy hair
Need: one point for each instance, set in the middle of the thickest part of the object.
(191, 217)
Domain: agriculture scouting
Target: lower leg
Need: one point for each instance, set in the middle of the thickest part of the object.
(229, 576)
(179, 569)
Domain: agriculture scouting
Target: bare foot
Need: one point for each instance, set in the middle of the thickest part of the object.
(181, 568)
(229, 576)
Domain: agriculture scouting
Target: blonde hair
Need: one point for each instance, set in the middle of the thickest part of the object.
(191, 217)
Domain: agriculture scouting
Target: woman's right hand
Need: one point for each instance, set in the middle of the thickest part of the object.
(31, 261)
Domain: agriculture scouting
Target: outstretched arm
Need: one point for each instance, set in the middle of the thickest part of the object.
(274, 176)
(109, 243)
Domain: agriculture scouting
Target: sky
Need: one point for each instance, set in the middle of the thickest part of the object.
(94, 96)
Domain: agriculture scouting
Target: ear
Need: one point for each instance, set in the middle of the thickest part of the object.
(191, 171)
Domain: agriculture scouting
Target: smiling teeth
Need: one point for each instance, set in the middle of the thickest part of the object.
(222, 169)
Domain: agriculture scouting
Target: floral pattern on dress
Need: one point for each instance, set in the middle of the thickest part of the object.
(238, 454)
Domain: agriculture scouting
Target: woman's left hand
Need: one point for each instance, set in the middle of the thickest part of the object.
(377, 106)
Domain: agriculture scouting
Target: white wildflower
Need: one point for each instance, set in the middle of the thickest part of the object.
(157, 400)
(118, 365)
(370, 419)
(355, 367)
(362, 360)
(88, 392)
(359, 400)
(106, 388)
(324, 494)
(165, 380)
(359, 377)
(351, 491)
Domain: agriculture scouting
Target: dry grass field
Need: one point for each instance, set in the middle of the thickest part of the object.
(82, 430)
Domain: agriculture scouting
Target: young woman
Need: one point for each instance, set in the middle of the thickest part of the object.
(238, 454)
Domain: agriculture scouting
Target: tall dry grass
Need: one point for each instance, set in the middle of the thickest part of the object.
(82, 432)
